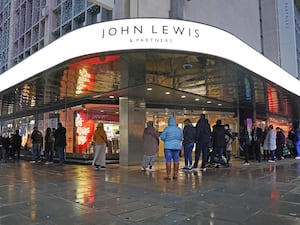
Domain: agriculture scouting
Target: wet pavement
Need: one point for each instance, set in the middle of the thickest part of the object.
(260, 194)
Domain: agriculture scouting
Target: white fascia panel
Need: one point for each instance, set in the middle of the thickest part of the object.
(164, 34)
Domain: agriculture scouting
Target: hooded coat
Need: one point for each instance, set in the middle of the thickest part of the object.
(172, 135)
(151, 139)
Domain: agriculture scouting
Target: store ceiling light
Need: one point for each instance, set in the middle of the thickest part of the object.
(208, 102)
(219, 104)
(183, 96)
(167, 93)
(149, 89)
(197, 99)
(187, 66)
(111, 96)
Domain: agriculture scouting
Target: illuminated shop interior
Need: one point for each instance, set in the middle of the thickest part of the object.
(86, 90)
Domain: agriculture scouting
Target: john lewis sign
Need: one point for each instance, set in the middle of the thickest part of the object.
(150, 33)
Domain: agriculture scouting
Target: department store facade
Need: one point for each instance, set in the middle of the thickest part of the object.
(126, 72)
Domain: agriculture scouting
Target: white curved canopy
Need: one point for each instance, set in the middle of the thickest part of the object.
(134, 34)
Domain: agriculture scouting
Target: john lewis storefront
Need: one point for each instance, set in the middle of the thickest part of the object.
(125, 72)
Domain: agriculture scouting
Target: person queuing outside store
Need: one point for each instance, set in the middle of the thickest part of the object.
(297, 142)
(36, 140)
(203, 138)
(60, 142)
(228, 140)
(172, 137)
(280, 143)
(266, 153)
(245, 144)
(257, 136)
(270, 143)
(6, 144)
(16, 142)
(49, 146)
(188, 143)
(290, 142)
(100, 142)
(218, 141)
(151, 141)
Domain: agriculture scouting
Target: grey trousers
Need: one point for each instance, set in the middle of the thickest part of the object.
(148, 160)
(99, 155)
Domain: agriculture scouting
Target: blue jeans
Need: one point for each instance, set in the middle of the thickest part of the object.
(4, 155)
(188, 149)
(36, 155)
(172, 154)
(61, 153)
(298, 148)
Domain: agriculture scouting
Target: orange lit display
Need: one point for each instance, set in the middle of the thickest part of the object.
(272, 99)
(85, 81)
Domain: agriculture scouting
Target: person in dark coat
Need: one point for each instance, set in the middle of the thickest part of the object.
(245, 144)
(291, 139)
(49, 143)
(188, 143)
(257, 137)
(60, 142)
(203, 138)
(218, 140)
(280, 142)
(37, 141)
(16, 145)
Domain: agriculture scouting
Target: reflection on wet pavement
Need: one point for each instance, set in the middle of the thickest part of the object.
(261, 193)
